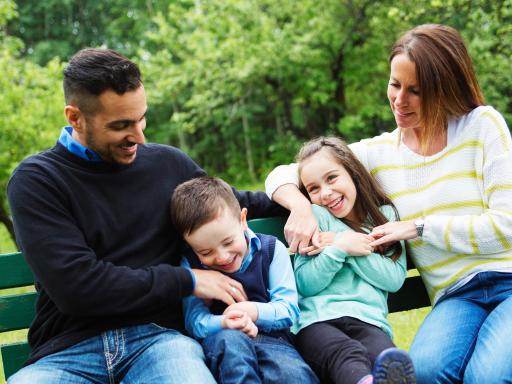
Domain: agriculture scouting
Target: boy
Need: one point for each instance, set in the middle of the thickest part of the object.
(248, 341)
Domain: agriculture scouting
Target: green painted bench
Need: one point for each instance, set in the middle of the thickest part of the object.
(17, 310)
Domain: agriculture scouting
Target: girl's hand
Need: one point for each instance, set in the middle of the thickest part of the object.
(354, 243)
(239, 320)
(324, 239)
(392, 232)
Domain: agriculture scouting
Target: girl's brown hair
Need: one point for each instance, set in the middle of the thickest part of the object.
(447, 82)
(370, 195)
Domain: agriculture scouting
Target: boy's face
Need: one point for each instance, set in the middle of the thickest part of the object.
(220, 244)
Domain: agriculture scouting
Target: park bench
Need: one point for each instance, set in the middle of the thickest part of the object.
(18, 310)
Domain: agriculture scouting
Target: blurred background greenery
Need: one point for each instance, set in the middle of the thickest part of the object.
(238, 84)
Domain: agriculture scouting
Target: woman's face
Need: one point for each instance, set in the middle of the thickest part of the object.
(403, 92)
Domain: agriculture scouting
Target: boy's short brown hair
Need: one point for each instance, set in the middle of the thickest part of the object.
(198, 201)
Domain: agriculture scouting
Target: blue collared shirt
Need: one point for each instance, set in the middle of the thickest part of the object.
(73, 146)
(280, 313)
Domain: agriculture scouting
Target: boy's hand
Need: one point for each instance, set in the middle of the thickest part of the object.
(215, 285)
(354, 243)
(239, 320)
(246, 306)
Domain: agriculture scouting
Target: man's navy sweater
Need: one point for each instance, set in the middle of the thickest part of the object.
(99, 239)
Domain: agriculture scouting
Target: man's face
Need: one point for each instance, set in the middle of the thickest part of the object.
(117, 128)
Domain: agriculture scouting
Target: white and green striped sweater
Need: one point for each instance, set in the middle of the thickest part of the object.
(464, 193)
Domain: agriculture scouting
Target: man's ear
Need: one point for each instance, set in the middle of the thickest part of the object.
(243, 218)
(75, 117)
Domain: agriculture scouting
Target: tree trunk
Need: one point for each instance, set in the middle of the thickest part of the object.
(248, 149)
(6, 220)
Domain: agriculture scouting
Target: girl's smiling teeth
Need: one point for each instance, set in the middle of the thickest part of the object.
(336, 203)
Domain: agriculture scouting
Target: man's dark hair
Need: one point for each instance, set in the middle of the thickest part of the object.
(199, 201)
(92, 71)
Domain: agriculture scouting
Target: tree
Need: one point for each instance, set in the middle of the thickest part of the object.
(30, 107)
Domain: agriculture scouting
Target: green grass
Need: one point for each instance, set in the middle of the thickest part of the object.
(6, 244)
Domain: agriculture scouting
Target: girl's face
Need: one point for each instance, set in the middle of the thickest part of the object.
(403, 92)
(328, 184)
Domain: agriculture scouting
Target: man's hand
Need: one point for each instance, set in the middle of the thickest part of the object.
(239, 320)
(392, 232)
(215, 285)
(354, 243)
(246, 306)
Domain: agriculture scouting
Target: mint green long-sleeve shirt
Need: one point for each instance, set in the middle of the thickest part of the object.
(335, 284)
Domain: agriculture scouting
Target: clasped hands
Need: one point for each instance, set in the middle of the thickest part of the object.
(240, 314)
(303, 236)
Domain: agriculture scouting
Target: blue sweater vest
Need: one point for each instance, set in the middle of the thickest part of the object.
(255, 278)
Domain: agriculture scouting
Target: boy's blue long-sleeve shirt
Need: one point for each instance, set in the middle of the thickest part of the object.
(280, 313)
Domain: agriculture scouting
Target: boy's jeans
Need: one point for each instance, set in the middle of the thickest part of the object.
(468, 335)
(234, 357)
(139, 354)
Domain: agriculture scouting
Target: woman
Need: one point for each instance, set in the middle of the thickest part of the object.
(448, 170)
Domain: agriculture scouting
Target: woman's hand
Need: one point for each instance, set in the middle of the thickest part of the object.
(392, 232)
(354, 243)
(301, 230)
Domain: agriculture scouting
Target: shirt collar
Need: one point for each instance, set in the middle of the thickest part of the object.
(73, 146)
(253, 246)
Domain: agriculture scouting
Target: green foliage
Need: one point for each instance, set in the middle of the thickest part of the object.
(238, 84)
(30, 110)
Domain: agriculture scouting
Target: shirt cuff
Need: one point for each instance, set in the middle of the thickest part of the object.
(214, 324)
(193, 279)
(335, 253)
(266, 316)
(281, 175)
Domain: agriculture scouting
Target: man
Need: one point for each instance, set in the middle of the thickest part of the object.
(91, 217)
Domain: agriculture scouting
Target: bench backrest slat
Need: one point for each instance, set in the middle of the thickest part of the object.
(13, 357)
(17, 311)
(14, 271)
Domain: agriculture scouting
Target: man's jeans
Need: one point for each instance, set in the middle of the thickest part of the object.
(139, 354)
(468, 335)
(234, 357)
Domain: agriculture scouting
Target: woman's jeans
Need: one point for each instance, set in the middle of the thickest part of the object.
(139, 354)
(468, 335)
(234, 357)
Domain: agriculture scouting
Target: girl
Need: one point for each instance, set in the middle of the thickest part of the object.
(343, 303)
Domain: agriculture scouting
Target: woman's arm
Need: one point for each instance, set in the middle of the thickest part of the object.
(301, 229)
(489, 232)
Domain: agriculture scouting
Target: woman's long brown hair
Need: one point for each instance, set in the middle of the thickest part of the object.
(447, 83)
(370, 195)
